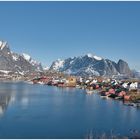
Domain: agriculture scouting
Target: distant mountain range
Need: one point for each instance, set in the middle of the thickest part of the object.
(16, 63)
(91, 65)
(86, 65)
(136, 74)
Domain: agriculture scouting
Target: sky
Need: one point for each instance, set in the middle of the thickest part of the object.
(51, 30)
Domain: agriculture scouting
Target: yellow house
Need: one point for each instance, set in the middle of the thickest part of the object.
(71, 81)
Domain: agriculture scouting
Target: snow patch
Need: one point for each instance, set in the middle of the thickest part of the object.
(58, 64)
(94, 56)
(71, 61)
(97, 57)
(90, 70)
(1, 43)
(90, 55)
(33, 62)
(16, 66)
(21, 73)
(15, 57)
(26, 56)
(5, 71)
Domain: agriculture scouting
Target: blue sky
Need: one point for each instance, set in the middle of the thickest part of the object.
(51, 30)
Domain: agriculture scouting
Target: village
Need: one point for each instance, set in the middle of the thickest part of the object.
(127, 90)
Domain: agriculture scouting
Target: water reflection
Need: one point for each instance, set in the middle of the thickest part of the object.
(4, 101)
(38, 111)
(8, 95)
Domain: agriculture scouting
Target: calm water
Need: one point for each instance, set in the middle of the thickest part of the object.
(39, 111)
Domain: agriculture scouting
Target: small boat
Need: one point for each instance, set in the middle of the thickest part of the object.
(41, 83)
(89, 91)
(61, 84)
(112, 96)
(103, 95)
(78, 86)
(118, 98)
(49, 83)
(29, 82)
(82, 87)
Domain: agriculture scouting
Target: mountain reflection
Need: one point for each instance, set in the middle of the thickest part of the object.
(7, 96)
(4, 101)
(11, 93)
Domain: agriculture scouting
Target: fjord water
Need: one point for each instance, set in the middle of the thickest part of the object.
(40, 111)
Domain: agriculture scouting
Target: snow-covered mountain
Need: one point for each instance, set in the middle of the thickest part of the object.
(13, 62)
(83, 65)
(57, 65)
(32, 61)
(91, 65)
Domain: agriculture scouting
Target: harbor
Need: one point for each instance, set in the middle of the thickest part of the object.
(127, 91)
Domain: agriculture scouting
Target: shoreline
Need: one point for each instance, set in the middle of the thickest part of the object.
(99, 90)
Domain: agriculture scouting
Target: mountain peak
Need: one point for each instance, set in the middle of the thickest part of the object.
(121, 61)
(16, 63)
(123, 67)
(3, 44)
(26, 56)
(90, 55)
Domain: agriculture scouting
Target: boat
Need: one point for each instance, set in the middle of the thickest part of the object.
(29, 82)
(61, 84)
(118, 98)
(89, 91)
(112, 96)
(50, 83)
(78, 86)
(103, 94)
(41, 83)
